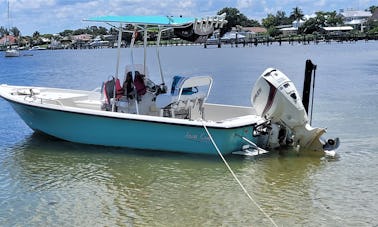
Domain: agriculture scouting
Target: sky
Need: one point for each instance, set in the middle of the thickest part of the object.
(54, 16)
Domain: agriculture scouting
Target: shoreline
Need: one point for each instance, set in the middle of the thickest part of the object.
(227, 45)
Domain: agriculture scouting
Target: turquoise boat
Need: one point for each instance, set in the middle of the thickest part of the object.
(132, 111)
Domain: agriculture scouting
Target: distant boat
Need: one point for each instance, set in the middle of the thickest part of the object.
(97, 42)
(38, 48)
(213, 40)
(231, 37)
(11, 51)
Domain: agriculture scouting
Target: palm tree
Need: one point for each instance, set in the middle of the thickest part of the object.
(297, 15)
(3, 31)
(15, 31)
(36, 35)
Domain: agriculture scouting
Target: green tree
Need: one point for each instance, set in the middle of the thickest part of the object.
(15, 31)
(373, 8)
(273, 31)
(36, 38)
(66, 33)
(36, 35)
(231, 17)
(48, 36)
(252, 23)
(235, 17)
(297, 14)
(275, 20)
(102, 31)
(372, 25)
(3, 31)
(322, 19)
(113, 31)
(80, 31)
(270, 21)
(310, 26)
(29, 40)
(333, 19)
(282, 19)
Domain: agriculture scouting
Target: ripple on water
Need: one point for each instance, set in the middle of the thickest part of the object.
(344, 189)
(54, 183)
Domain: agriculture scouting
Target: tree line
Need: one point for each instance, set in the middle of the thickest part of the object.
(273, 21)
(235, 18)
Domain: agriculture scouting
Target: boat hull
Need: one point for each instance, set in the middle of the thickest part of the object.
(132, 133)
(12, 53)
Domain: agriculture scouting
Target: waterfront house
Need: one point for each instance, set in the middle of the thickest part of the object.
(295, 25)
(355, 18)
(254, 32)
(374, 17)
(66, 42)
(8, 40)
(288, 30)
(80, 41)
(337, 31)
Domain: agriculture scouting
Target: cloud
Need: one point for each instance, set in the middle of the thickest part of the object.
(23, 5)
(242, 4)
(321, 3)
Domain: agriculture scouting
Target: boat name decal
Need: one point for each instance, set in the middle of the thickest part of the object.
(195, 137)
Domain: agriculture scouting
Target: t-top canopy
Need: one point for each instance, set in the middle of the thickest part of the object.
(144, 20)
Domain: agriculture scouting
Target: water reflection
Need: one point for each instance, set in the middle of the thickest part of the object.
(44, 181)
(51, 179)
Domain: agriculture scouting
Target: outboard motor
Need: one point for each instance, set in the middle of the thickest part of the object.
(275, 98)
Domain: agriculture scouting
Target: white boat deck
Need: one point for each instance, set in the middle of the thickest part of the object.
(226, 115)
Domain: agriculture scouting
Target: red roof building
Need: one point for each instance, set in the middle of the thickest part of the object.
(8, 40)
(255, 30)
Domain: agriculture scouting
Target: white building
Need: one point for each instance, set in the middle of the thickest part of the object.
(299, 23)
(293, 29)
(355, 18)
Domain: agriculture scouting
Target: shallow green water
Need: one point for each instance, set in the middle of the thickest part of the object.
(44, 181)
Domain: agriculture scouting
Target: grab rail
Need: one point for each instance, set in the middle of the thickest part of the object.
(42, 99)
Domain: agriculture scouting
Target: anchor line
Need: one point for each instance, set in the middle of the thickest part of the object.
(235, 177)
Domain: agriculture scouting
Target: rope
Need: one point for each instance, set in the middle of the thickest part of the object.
(236, 178)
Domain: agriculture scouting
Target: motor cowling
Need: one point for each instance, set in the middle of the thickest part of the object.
(275, 98)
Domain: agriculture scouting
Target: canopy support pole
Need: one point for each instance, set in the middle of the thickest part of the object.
(117, 64)
(132, 63)
(145, 49)
(158, 56)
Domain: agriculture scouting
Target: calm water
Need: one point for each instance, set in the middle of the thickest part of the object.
(44, 181)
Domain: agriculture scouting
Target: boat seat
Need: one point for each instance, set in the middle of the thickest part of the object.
(170, 105)
(164, 100)
(185, 99)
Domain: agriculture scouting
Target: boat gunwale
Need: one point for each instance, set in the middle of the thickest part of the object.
(231, 123)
